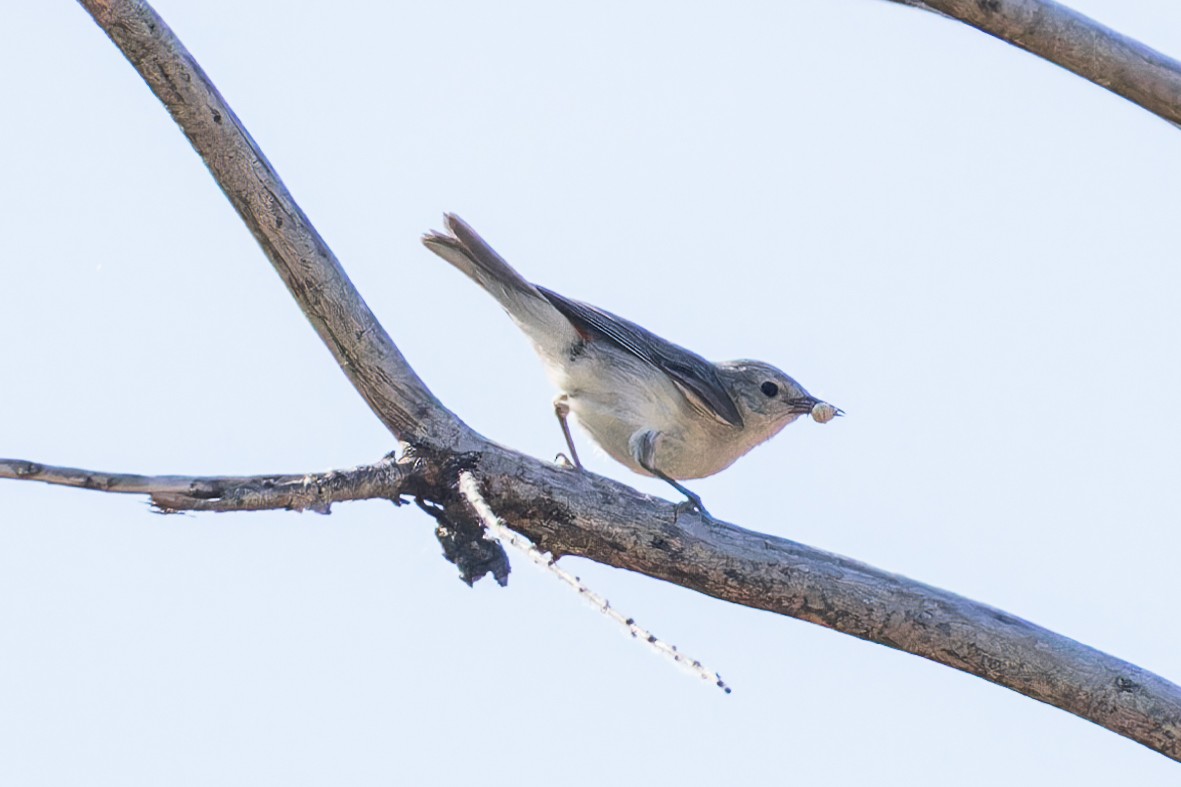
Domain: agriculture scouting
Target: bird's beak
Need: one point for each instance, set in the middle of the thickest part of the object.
(802, 405)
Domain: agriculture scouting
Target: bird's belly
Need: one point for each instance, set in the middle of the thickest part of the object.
(611, 427)
(687, 444)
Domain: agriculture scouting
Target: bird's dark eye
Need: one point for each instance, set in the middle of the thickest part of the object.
(769, 388)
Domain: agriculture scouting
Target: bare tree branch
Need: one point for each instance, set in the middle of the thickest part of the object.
(307, 266)
(1078, 43)
(171, 493)
(621, 528)
(569, 512)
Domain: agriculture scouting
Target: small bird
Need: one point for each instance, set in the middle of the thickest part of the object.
(652, 405)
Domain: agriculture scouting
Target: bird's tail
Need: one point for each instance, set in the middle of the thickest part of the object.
(549, 329)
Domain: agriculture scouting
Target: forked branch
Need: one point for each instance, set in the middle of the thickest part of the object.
(568, 512)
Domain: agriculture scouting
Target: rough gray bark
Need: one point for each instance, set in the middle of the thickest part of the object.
(576, 513)
(1077, 43)
(313, 275)
(171, 493)
(569, 512)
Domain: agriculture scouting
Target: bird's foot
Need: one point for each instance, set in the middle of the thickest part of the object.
(694, 504)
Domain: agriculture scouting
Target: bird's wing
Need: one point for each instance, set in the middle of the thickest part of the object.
(696, 377)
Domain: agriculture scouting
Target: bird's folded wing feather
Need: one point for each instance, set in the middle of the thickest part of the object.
(695, 376)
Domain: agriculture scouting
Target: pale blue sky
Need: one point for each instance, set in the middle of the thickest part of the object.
(970, 250)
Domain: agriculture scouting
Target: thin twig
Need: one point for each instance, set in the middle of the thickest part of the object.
(171, 493)
(502, 532)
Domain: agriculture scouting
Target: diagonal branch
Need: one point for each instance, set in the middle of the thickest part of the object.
(619, 527)
(1078, 43)
(313, 275)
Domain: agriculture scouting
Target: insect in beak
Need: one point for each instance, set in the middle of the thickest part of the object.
(821, 412)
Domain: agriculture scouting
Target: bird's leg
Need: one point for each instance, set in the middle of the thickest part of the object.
(562, 410)
(643, 446)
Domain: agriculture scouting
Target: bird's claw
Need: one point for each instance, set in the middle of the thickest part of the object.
(694, 505)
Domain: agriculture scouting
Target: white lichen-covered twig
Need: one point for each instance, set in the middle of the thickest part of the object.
(499, 530)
